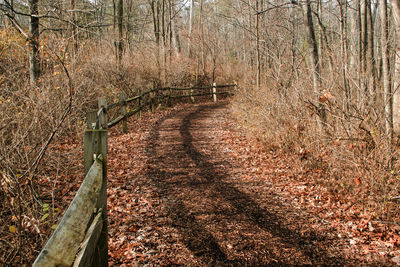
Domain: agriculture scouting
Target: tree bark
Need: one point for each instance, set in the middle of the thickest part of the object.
(74, 31)
(120, 30)
(34, 56)
(396, 79)
(313, 48)
(155, 7)
(343, 39)
(258, 60)
(190, 27)
(360, 51)
(364, 45)
(371, 64)
(387, 83)
(314, 61)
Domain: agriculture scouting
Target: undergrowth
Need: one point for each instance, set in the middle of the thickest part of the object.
(351, 150)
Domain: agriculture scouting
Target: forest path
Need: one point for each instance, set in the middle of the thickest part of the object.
(183, 192)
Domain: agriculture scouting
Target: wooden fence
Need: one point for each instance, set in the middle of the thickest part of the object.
(80, 238)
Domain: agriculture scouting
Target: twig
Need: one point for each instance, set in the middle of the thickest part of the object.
(12, 254)
(395, 198)
(277, 6)
(15, 24)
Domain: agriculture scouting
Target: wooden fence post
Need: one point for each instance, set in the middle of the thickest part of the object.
(103, 118)
(91, 120)
(95, 143)
(102, 246)
(214, 89)
(169, 98)
(122, 99)
(191, 94)
(139, 104)
(151, 94)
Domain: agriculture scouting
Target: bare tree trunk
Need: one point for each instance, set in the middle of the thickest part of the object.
(172, 47)
(315, 65)
(155, 7)
(387, 82)
(115, 30)
(258, 71)
(313, 49)
(174, 33)
(320, 35)
(344, 66)
(164, 43)
(364, 45)
(74, 28)
(360, 51)
(396, 78)
(371, 65)
(354, 46)
(203, 52)
(34, 57)
(190, 27)
(120, 30)
(251, 57)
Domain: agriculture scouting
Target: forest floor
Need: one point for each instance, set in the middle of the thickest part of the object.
(188, 187)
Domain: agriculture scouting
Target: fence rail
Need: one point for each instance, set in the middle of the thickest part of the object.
(80, 238)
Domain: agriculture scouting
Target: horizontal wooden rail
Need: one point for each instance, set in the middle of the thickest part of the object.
(196, 87)
(141, 95)
(127, 115)
(65, 242)
(201, 94)
(131, 99)
(85, 255)
(124, 101)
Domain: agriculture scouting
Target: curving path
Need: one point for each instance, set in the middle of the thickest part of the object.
(186, 199)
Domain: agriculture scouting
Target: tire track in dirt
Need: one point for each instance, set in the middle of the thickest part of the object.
(221, 218)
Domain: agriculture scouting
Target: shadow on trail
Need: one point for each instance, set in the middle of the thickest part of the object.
(195, 235)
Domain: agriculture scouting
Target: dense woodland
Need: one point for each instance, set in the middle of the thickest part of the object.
(316, 78)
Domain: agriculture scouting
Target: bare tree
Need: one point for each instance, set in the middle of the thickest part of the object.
(387, 82)
(120, 30)
(396, 79)
(34, 57)
(314, 59)
(258, 58)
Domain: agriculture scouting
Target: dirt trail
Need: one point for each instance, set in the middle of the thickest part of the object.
(185, 197)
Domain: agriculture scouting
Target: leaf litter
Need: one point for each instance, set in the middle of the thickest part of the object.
(187, 186)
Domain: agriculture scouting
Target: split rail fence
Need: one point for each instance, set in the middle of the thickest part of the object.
(80, 238)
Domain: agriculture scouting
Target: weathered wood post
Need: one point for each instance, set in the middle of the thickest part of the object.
(169, 97)
(151, 94)
(140, 104)
(191, 94)
(95, 143)
(90, 123)
(214, 89)
(122, 99)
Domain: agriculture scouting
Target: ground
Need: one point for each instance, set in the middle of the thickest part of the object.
(187, 186)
